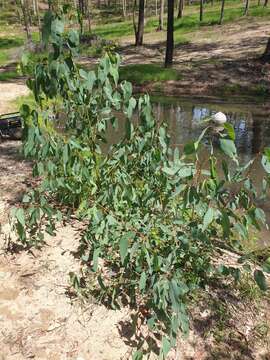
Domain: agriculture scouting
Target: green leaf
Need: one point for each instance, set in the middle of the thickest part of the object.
(208, 218)
(73, 38)
(266, 163)
(142, 281)
(228, 147)
(46, 28)
(138, 355)
(266, 266)
(190, 148)
(260, 279)
(95, 259)
(57, 26)
(20, 216)
(260, 215)
(230, 130)
(124, 243)
(165, 346)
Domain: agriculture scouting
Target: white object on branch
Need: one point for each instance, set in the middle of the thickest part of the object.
(219, 118)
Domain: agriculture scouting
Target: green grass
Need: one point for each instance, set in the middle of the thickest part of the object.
(4, 57)
(26, 99)
(143, 73)
(189, 23)
(8, 75)
(10, 42)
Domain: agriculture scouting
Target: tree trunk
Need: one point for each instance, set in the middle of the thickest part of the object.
(24, 7)
(265, 3)
(124, 8)
(170, 40)
(201, 10)
(266, 55)
(161, 16)
(38, 17)
(180, 9)
(222, 12)
(89, 15)
(246, 8)
(140, 29)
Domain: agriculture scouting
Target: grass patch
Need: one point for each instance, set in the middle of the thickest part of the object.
(143, 73)
(4, 58)
(189, 23)
(9, 43)
(8, 75)
(26, 99)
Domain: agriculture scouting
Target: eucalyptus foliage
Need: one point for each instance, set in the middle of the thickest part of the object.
(154, 216)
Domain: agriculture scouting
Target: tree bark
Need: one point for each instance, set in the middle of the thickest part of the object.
(161, 16)
(246, 8)
(124, 8)
(38, 17)
(24, 7)
(222, 12)
(170, 39)
(140, 29)
(266, 55)
(180, 9)
(201, 10)
(265, 3)
(89, 15)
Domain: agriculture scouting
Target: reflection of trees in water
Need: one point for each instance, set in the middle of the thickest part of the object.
(257, 140)
(252, 133)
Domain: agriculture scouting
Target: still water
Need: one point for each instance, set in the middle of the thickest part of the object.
(252, 130)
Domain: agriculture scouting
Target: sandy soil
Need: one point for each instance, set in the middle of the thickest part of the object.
(9, 92)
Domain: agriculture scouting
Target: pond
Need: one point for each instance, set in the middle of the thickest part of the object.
(252, 130)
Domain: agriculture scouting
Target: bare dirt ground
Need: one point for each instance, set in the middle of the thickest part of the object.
(38, 317)
(211, 63)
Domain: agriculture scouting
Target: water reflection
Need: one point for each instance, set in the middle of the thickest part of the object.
(252, 131)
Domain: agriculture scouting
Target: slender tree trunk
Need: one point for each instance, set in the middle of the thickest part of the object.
(161, 16)
(89, 15)
(38, 17)
(259, 2)
(24, 5)
(180, 9)
(156, 7)
(201, 10)
(170, 39)
(124, 8)
(266, 55)
(212, 2)
(265, 3)
(246, 8)
(34, 7)
(222, 12)
(18, 10)
(140, 29)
